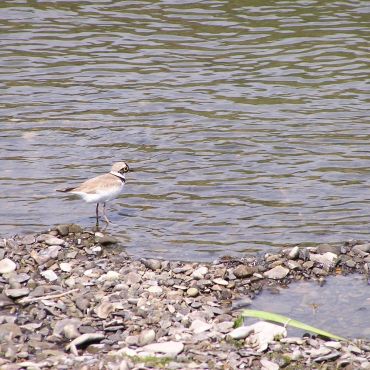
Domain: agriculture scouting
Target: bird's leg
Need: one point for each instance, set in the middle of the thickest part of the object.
(105, 215)
(97, 214)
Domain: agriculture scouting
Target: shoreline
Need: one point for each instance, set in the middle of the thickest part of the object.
(72, 299)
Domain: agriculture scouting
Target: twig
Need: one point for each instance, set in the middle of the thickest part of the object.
(50, 296)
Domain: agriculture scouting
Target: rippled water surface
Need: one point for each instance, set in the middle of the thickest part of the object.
(246, 121)
(341, 306)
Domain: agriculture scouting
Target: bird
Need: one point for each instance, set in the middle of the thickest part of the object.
(103, 188)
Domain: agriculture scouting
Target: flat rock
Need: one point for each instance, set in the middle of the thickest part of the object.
(63, 230)
(276, 273)
(17, 293)
(28, 239)
(324, 248)
(9, 331)
(152, 264)
(53, 240)
(5, 301)
(7, 265)
(65, 266)
(49, 275)
(199, 326)
(170, 349)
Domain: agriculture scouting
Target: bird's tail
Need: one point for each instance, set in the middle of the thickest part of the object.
(67, 190)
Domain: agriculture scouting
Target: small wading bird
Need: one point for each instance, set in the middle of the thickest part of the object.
(103, 188)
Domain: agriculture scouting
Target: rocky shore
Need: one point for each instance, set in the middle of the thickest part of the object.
(73, 299)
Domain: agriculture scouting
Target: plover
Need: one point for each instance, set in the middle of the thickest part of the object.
(103, 188)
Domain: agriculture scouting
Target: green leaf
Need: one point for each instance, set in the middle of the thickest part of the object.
(270, 316)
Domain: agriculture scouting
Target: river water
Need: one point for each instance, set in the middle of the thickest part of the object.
(246, 121)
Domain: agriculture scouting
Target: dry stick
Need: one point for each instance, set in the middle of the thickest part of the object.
(50, 296)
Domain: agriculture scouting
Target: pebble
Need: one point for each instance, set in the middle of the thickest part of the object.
(155, 290)
(327, 260)
(243, 271)
(199, 273)
(106, 240)
(146, 337)
(7, 266)
(268, 365)
(192, 292)
(199, 326)
(53, 240)
(294, 253)
(66, 267)
(49, 275)
(278, 272)
(220, 281)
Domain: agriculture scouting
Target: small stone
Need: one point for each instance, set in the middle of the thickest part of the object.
(243, 271)
(106, 240)
(324, 248)
(17, 293)
(146, 337)
(192, 292)
(104, 309)
(276, 273)
(110, 276)
(294, 253)
(49, 275)
(199, 272)
(350, 263)
(66, 267)
(199, 326)
(63, 230)
(333, 344)
(170, 349)
(152, 264)
(362, 248)
(132, 278)
(52, 240)
(155, 290)
(220, 281)
(7, 265)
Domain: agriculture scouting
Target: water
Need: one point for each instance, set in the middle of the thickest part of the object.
(247, 123)
(341, 306)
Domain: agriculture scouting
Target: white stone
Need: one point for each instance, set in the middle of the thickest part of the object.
(66, 267)
(155, 289)
(146, 337)
(327, 260)
(7, 265)
(276, 273)
(199, 272)
(49, 275)
(110, 276)
(199, 326)
(171, 349)
(220, 281)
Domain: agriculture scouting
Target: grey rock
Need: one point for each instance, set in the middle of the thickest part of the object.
(327, 260)
(83, 339)
(200, 272)
(276, 273)
(199, 326)
(75, 229)
(9, 331)
(324, 248)
(7, 265)
(5, 301)
(17, 293)
(106, 240)
(49, 275)
(268, 365)
(63, 230)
